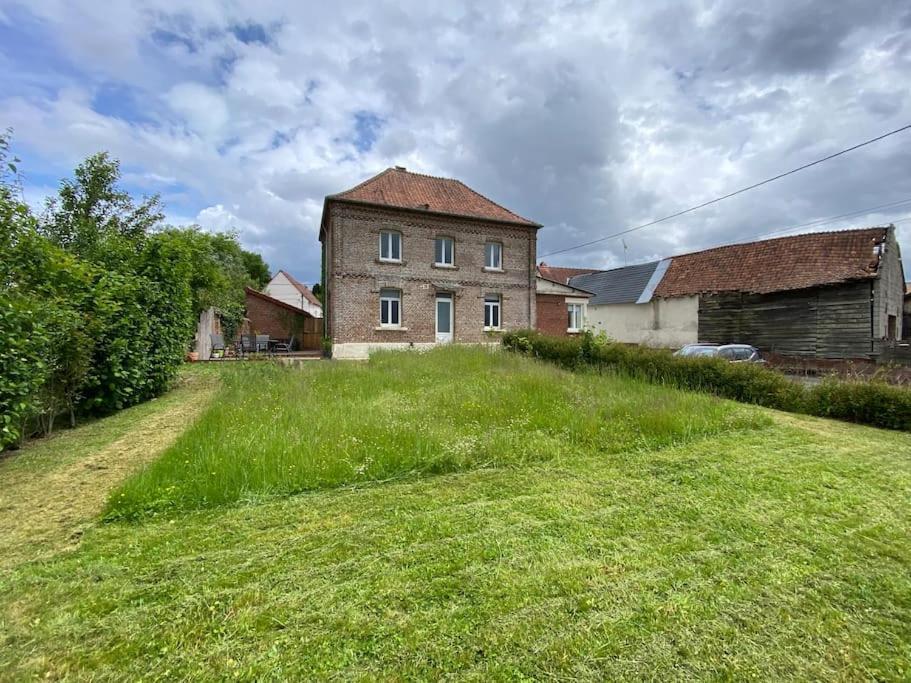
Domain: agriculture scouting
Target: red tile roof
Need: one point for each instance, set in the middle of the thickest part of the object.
(302, 288)
(403, 189)
(562, 275)
(249, 291)
(775, 265)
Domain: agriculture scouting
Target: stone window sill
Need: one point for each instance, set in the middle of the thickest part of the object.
(493, 270)
(573, 331)
(494, 329)
(384, 262)
(444, 266)
(389, 328)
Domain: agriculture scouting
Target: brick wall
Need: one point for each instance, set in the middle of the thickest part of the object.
(552, 314)
(280, 322)
(355, 275)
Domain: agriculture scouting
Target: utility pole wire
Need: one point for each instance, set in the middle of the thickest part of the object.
(731, 194)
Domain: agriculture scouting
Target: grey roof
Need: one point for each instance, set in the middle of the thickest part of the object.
(617, 286)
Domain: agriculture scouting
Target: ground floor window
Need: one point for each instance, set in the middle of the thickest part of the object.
(390, 307)
(575, 317)
(492, 312)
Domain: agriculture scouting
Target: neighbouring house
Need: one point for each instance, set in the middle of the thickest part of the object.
(560, 308)
(826, 295)
(411, 260)
(285, 287)
(624, 307)
(282, 321)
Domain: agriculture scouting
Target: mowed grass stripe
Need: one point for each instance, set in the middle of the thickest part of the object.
(276, 431)
(776, 553)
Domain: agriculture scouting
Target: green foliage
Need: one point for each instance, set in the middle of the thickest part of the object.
(99, 301)
(22, 372)
(869, 403)
(257, 269)
(873, 403)
(94, 219)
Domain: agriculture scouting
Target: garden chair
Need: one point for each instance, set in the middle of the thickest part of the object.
(218, 344)
(246, 344)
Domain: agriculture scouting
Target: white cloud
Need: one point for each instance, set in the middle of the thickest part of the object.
(589, 117)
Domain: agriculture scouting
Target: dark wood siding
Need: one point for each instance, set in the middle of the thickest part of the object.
(826, 322)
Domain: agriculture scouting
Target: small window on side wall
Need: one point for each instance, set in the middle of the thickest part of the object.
(575, 322)
(390, 246)
(492, 312)
(390, 308)
(443, 252)
(493, 256)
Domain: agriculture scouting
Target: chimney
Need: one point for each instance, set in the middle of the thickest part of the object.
(400, 168)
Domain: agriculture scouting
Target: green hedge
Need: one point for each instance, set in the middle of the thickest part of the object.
(872, 403)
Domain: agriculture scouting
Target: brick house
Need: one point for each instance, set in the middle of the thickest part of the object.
(561, 308)
(281, 321)
(411, 260)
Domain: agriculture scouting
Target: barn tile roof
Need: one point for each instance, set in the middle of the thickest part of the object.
(776, 265)
(400, 188)
(560, 274)
(617, 286)
(302, 288)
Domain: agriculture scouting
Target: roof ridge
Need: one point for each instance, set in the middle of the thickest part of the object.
(361, 184)
(779, 239)
(486, 198)
(611, 270)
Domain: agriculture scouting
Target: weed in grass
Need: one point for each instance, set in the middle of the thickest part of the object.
(276, 431)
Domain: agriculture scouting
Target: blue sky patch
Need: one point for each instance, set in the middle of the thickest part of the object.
(367, 126)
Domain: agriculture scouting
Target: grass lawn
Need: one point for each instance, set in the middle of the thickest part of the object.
(698, 539)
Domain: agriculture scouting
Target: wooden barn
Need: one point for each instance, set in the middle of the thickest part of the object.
(820, 295)
(826, 295)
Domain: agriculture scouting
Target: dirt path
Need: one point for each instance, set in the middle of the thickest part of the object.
(50, 499)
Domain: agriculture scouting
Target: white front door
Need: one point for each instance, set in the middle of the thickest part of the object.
(444, 318)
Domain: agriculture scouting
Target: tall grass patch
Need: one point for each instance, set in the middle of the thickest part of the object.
(275, 431)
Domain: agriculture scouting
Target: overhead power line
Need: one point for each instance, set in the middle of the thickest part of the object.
(732, 194)
(832, 219)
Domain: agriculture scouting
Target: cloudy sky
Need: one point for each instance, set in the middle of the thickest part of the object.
(588, 117)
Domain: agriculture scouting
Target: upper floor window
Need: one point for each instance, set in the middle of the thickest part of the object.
(390, 308)
(493, 255)
(390, 246)
(443, 251)
(492, 312)
(575, 317)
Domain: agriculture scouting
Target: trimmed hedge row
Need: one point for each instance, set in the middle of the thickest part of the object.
(871, 403)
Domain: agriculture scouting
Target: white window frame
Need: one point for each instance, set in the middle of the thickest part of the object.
(579, 317)
(444, 262)
(499, 256)
(392, 235)
(495, 303)
(387, 296)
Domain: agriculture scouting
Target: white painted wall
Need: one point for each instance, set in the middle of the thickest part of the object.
(280, 288)
(665, 323)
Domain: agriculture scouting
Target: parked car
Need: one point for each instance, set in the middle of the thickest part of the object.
(735, 353)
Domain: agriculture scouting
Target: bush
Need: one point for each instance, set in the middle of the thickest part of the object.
(21, 370)
(871, 403)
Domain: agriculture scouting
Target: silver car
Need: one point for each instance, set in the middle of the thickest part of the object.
(735, 353)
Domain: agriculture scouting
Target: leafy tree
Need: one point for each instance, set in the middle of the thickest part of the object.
(94, 219)
(257, 269)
